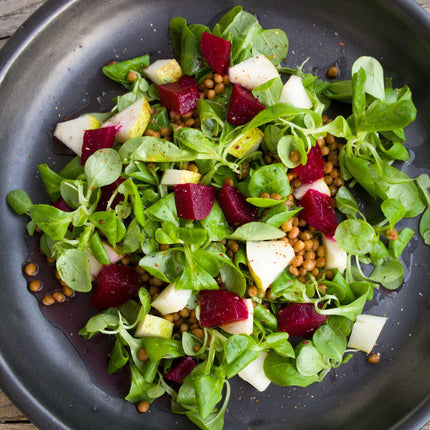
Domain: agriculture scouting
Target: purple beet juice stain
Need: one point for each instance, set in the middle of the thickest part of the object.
(70, 316)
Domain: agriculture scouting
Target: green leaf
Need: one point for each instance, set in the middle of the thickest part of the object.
(273, 44)
(215, 224)
(51, 181)
(355, 236)
(283, 372)
(159, 348)
(103, 167)
(163, 265)
(309, 360)
(72, 266)
(51, 220)
(19, 201)
(106, 222)
(269, 92)
(397, 246)
(389, 274)
(270, 179)
(374, 83)
(118, 71)
(256, 231)
(330, 342)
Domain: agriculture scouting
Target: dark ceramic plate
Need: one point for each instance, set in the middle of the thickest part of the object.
(51, 68)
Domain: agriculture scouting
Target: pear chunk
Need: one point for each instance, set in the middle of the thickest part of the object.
(71, 132)
(246, 144)
(162, 71)
(335, 256)
(177, 176)
(253, 72)
(318, 185)
(132, 121)
(294, 93)
(254, 373)
(267, 260)
(171, 300)
(153, 326)
(365, 332)
(244, 326)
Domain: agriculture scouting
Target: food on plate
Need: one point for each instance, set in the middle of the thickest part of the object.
(212, 216)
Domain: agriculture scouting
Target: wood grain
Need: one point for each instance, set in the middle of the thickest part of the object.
(12, 14)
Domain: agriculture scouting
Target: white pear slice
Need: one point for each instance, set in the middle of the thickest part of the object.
(132, 121)
(95, 266)
(162, 71)
(244, 326)
(335, 256)
(176, 176)
(365, 332)
(318, 185)
(267, 260)
(153, 326)
(171, 300)
(254, 373)
(246, 144)
(253, 72)
(71, 132)
(294, 93)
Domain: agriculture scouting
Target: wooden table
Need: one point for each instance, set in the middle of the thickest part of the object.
(12, 14)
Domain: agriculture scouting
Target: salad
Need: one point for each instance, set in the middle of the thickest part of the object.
(216, 216)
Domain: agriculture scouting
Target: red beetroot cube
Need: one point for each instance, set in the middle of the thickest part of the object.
(219, 307)
(243, 106)
(96, 139)
(181, 370)
(318, 211)
(106, 194)
(299, 319)
(194, 201)
(216, 52)
(180, 96)
(235, 208)
(314, 167)
(114, 285)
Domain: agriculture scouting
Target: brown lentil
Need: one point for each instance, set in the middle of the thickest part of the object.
(31, 269)
(152, 133)
(196, 348)
(35, 285)
(297, 261)
(294, 232)
(168, 317)
(320, 262)
(184, 313)
(217, 78)
(252, 291)
(165, 131)
(275, 196)
(143, 406)
(287, 226)
(299, 246)
(332, 72)
(58, 296)
(142, 354)
(209, 83)
(294, 156)
(184, 327)
(329, 138)
(198, 332)
(193, 168)
(164, 246)
(48, 300)
(211, 94)
(264, 195)
(67, 291)
(131, 76)
(374, 358)
(309, 265)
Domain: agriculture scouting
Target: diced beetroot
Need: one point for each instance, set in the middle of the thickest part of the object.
(106, 194)
(96, 139)
(114, 285)
(193, 201)
(314, 167)
(318, 211)
(299, 319)
(243, 106)
(181, 370)
(219, 307)
(235, 207)
(216, 52)
(180, 96)
(62, 205)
